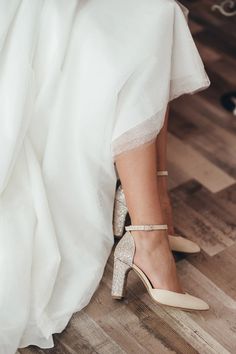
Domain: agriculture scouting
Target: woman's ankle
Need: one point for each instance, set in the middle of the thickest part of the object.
(149, 240)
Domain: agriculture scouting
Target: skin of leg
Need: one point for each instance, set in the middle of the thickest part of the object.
(161, 151)
(137, 171)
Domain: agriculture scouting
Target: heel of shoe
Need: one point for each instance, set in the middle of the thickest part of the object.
(119, 280)
(120, 212)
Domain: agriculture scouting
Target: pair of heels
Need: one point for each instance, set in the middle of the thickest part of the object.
(177, 243)
(124, 256)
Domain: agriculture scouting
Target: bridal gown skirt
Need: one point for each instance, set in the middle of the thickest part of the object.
(80, 82)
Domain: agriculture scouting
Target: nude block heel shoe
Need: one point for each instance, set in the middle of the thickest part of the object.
(123, 263)
(177, 243)
(119, 213)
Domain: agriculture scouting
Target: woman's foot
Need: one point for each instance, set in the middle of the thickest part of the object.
(154, 257)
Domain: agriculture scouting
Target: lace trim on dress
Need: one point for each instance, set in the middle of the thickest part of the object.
(147, 131)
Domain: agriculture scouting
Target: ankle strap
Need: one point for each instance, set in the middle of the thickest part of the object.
(148, 227)
(162, 173)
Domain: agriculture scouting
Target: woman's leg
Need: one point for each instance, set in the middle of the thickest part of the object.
(137, 170)
(161, 150)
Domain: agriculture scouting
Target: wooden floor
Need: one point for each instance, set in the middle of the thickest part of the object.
(202, 165)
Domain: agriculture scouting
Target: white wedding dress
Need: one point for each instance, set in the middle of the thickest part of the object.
(80, 82)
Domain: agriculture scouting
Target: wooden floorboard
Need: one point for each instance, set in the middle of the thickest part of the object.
(202, 181)
(203, 217)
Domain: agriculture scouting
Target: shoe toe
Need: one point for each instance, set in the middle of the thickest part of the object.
(183, 301)
(181, 244)
(197, 303)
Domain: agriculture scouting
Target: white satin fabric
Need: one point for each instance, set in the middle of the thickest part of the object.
(80, 81)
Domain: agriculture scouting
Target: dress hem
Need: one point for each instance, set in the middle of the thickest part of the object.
(146, 131)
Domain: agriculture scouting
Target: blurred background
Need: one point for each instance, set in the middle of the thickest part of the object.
(202, 134)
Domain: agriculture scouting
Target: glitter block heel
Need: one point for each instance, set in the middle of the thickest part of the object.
(120, 212)
(120, 274)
